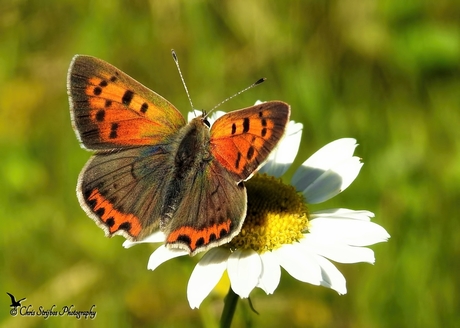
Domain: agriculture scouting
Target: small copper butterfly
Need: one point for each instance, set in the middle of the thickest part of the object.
(151, 170)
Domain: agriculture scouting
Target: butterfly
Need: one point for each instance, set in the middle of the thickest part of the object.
(154, 171)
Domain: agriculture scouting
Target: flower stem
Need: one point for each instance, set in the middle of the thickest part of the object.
(229, 309)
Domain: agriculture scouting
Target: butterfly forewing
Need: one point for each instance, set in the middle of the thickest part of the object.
(242, 140)
(110, 109)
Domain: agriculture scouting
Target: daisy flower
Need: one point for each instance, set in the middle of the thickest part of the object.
(279, 231)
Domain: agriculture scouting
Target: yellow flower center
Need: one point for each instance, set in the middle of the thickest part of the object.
(276, 215)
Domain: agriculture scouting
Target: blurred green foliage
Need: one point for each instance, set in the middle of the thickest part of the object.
(385, 72)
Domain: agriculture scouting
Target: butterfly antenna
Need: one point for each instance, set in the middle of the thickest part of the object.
(259, 81)
(176, 60)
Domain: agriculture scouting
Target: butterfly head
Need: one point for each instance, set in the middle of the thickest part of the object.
(203, 117)
(206, 122)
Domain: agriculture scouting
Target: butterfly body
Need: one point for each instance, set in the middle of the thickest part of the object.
(153, 171)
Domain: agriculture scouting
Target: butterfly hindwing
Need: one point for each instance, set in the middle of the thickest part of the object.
(122, 191)
(212, 211)
(109, 109)
(242, 140)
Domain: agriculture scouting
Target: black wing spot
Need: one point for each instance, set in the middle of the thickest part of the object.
(250, 153)
(100, 212)
(127, 97)
(223, 233)
(87, 194)
(264, 122)
(113, 131)
(100, 115)
(199, 242)
(212, 237)
(264, 132)
(125, 226)
(91, 203)
(233, 128)
(103, 83)
(144, 107)
(97, 91)
(237, 162)
(110, 222)
(245, 125)
(113, 78)
(184, 239)
(108, 103)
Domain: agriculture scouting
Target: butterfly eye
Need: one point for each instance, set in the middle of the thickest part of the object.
(206, 122)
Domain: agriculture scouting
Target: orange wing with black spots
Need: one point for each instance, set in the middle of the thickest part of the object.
(109, 109)
(242, 140)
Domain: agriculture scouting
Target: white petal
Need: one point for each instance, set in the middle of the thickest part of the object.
(215, 115)
(206, 275)
(283, 155)
(336, 251)
(343, 213)
(244, 269)
(333, 181)
(298, 263)
(334, 152)
(271, 273)
(156, 237)
(331, 276)
(348, 231)
(163, 254)
(192, 115)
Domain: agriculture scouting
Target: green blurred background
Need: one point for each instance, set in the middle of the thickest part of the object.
(384, 72)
